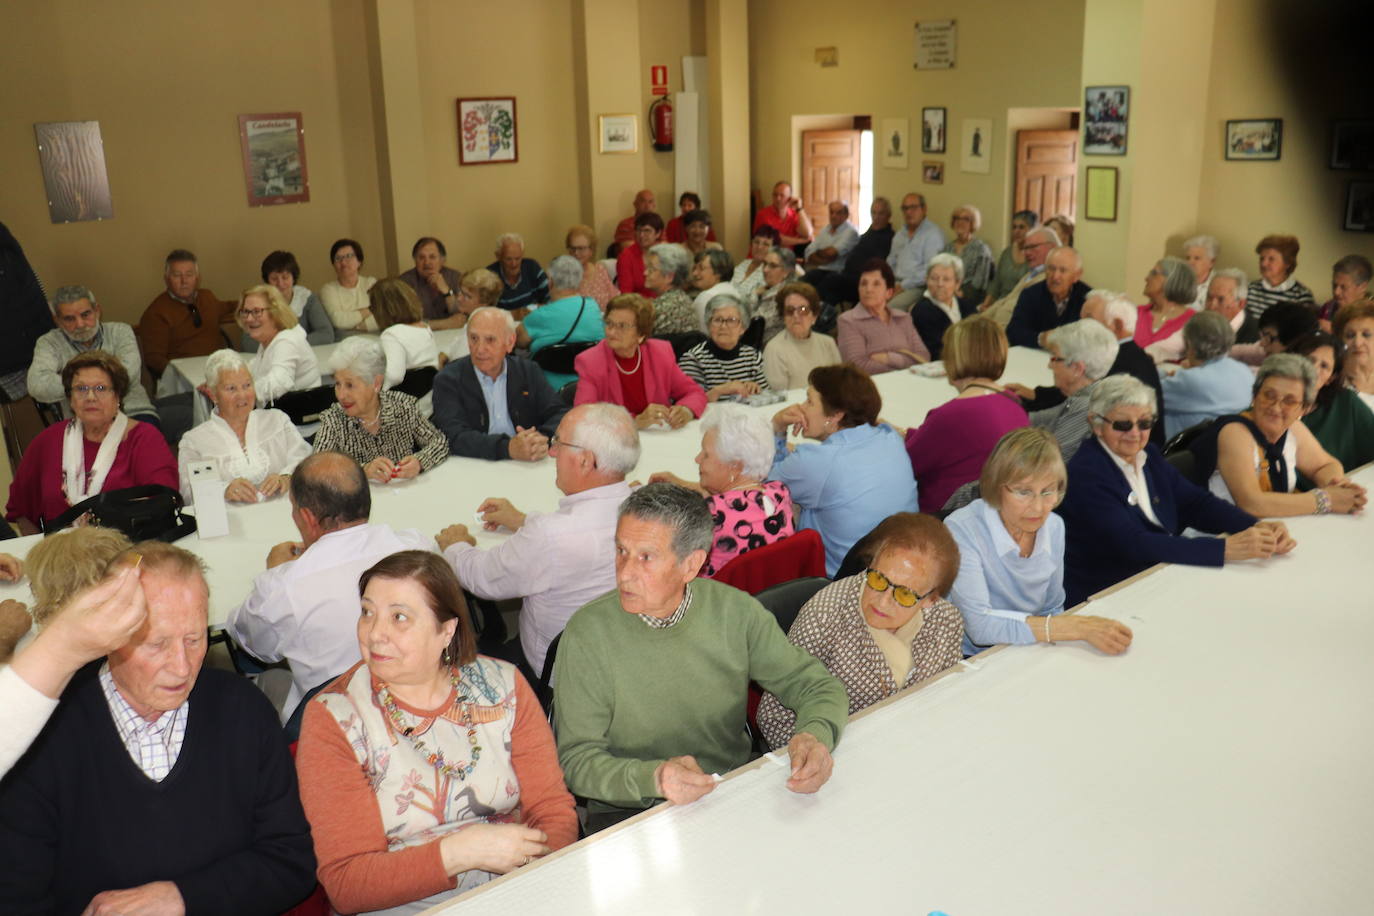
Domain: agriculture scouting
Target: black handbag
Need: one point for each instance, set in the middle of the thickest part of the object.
(148, 513)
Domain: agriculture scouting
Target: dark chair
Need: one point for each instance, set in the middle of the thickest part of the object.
(292, 728)
(543, 688)
(796, 556)
(961, 498)
(753, 335)
(1185, 462)
(417, 382)
(786, 599)
(560, 357)
(1182, 441)
(48, 413)
(683, 342)
(568, 393)
(305, 406)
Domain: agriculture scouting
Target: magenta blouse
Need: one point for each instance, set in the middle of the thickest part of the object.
(948, 450)
(1144, 325)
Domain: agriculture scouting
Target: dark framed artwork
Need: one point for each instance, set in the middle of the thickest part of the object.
(1254, 139)
(274, 167)
(1106, 114)
(487, 131)
(933, 130)
(1359, 206)
(1352, 145)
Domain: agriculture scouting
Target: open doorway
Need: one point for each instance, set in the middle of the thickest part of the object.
(833, 159)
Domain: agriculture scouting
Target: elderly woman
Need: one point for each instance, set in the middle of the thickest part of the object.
(407, 340)
(1011, 265)
(1278, 258)
(1126, 507)
(381, 430)
(749, 511)
(1200, 253)
(254, 450)
(948, 449)
(1210, 383)
(1063, 227)
(1349, 284)
(874, 337)
(721, 364)
(1011, 554)
(696, 231)
(281, 270)
(779, 269)
(1254, 457)
(1081, 353)
(426, 769)
(98, 450)
(666, 271)
(1354, 328)
(709, 279)
(941, 306)
(859, 473)
(686, 203)
(477, 288)
(1171, 288)
(596, 282)
(1341, 422)
(748, 275)
(883, 630)
(638, 373)
(345, 297)
(285, 360)
(973, 253)
(789, 358)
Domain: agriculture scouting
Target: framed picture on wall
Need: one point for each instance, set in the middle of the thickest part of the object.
(977, 146)
(932, 130)
(933, 171)
(1352, 145)
(618, 133)
(1255, 139)
(73, 159)
(1101, 193)
(274, 158)
(895, 143)
(487, 131)
(1359, 206)
(1106, 113)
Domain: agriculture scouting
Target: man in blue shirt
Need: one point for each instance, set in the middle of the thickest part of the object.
(913, 246)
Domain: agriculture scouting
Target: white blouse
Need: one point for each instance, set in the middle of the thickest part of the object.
(273, 446)
(286, 364)
(407, 347)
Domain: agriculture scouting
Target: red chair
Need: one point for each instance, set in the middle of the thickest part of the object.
(317, 904)
(795, 557)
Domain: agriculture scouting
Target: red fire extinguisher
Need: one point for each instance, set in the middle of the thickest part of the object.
(661, 124)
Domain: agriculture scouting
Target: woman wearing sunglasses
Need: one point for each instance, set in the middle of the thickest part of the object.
(1010, 587)
(1126, 506)
(884, 629)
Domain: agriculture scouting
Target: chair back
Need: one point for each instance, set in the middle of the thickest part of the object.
(305, 406)
(560, 357)
(1186, 463)
(786, 599)
(543, 689)
(1183, 440)
(753, 335)
(794, 557)
(568, 393)
(683, 342)
(418, 382)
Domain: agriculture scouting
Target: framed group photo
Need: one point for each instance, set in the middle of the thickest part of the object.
(1352, 145)
(1106, 114)
(1257, 139)
(1359, 206)
(933, 171)
(932, 130)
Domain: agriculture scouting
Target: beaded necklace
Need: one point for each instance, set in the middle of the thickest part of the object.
(436, 758)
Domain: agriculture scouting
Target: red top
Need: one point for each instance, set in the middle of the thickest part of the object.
(599, 379)
(785, 224)
(632, 383)
(1145, 334)
(674, 232)
(629, 272)
(625, 231)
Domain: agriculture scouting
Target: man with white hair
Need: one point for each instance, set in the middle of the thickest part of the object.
(830, 250)
(524, 282)
(1226, 296)
(1081, 354)
(1200, 252)
(556, 562)
(1036, 246)
(1056, 302)
(491, 404)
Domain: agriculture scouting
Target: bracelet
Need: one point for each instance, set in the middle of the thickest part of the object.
(1323, 499)
(1048, 640)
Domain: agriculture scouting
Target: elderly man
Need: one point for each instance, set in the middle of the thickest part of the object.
(828, 254)
(913, 245)
(568, 318)
(559, 561)
(435, 284)
(303, 608)
(644, 202)
(1226, 296)
(79, 329)
(876, 242)
(1042, 307)
(788, 216)
(158, 787)
(1200, 252)
(650, 680)
(185, 319)
(523, 282)
(1081, 354)
(1349, 283)
(491, 404)
(1036, 246)
(629, 264)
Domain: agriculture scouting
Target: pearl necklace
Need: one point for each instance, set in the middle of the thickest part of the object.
(435, 758)
(639, 359)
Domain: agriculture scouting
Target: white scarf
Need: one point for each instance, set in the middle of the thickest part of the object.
(74, 475)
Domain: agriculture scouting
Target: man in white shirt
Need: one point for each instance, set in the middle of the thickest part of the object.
(559, 561)
(831, 248)
(304, 608)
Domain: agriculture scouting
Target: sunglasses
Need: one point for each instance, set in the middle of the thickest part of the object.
(1144, 424)
(903, 595)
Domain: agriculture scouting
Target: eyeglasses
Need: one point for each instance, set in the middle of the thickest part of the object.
(1144, 424)
(345, 256)
(579, 247)
(772, 265)
(557, 443)
(911, 206)
(797, 310)
(87, 391)
(1057, 359)
(1025, 245)
(1268, 397)
(252, 313)
(618, 326)
(724, 320)
(906, 597)
(1026, 494)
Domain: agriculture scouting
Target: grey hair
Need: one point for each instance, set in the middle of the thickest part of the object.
(789, 258)
(887, 204)
(681, 509)
(67, 294)
(974, 214)
(1207, 243)
(1180, 285)
(1238, 275)
(510, 238)
(1115, 307)
(1078, 258)
(363, 356)
(1209, 335)
(742, 435)
(222, 361)
(725, 300)
(1088, 342)
(1289, 365)
(177, 256)
(1048, 234)
(721, 262)
(673, 260)
(1355, 266)
(608, 432)
(1120, 390)
(953, 261)
(507, 319)
(565, 272)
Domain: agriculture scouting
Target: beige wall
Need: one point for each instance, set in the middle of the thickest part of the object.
(669, 30)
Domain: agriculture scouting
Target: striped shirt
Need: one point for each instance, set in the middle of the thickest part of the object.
(403, 432)
(709, 366)
(154, 746)
(1068, 422)
(1261, 296)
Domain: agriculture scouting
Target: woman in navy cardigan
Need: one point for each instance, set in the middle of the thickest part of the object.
(1126, 506)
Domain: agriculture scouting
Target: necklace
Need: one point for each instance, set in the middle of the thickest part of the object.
(435, 758)
(639, 358)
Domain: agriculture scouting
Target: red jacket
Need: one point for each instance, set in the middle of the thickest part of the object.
(598, 377)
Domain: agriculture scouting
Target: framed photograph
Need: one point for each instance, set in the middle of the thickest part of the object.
(895, 145)
(1106, 112)
(933, 172)
(619, 133)
(1260, 138)
(977, 146)
(1352, 145)
(487, 131)
(1359, 206)
(274, 158)
(72, 156)
(1102, 181)
(932, 130)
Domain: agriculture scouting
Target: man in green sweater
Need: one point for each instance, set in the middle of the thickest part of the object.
(652, 679)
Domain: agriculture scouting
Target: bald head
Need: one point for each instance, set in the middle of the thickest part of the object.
(645, 202)
(328, 491)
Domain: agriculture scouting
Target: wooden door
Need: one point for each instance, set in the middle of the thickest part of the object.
(830, 171)
(1047, 172)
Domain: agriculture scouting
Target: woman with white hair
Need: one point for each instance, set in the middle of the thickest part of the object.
(667, 269)
(1210, 383)
(284, 360)
(736, 455)
(254, 450)
(1171, 289)
(973, 252)
(1126, 506)
(381, 430)
(1200, 252)
(941, 306)
(721, 364)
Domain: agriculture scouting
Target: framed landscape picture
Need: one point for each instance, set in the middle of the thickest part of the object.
(274, 166)
(619, 133)
(1106, 114)
(487, 131)
(1255, 139)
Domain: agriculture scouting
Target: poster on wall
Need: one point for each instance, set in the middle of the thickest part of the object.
(935, 44)
(895, 143)
(1260, 138)
(274, 158)
(72, 156)
(618, 133)
(932, 130)
(487, 131)
(1106, 112)
(977, 146)
(933, 172)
